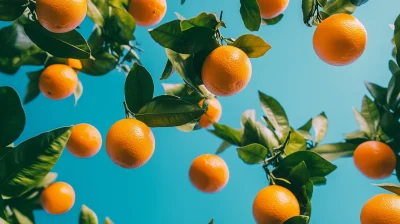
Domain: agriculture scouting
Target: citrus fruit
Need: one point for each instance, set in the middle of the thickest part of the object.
(375, 159)
(340, 39)
(381, 209)
(61, 16)
(272, 8)
(85, 141)
(148, 12)
(57, 198)
(213, 113)
(274, 205)
(74, 63)
(130, 143)
(209, 173)
(226, 71)
(58, 81)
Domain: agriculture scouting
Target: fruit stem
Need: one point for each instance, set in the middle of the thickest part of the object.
(127, 111)
(220, 16)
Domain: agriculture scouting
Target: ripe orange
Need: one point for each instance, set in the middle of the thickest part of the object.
(340, 39)
(213, 113)
(226, 71)
(375, 159)
(383, 208)
(209, 173)
(272, 8)
(74, 63)
(61, 16)
(274, 205)
(85, 141)
(130, 143)
(58, 81)
(148, 12)
(58, 198)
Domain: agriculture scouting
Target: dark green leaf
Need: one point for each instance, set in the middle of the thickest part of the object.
(253, 153)
(275, 113)
(168, 111)
(317, 166)
(168, 71)
(250, 12)
(103, 63)
(322, 3)
(96, 11)
(24, 214)
(206, 20)
(120, 25)
(182, 90)
(358, 2)
(299, 175)
(341, 6)
(301, 219)
(252, 45)
(139, 88)
(33, 86)
(377, 92)
(371, 114)
(318, 180)
(393, 92)
(212, 220)
(320, 124)
(362, 122)
(272, 21)
(2, 209)
(23, 167)
(87, 216)
(108, 221)
(227, 133)
(12, 116)
(308, 8)
(390, 124)
(393, 67)
(397, 37)
(333, 151)
(12, 9)
(224, 145)
(63, 45)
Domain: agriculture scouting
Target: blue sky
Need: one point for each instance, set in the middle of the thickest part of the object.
(160, 191)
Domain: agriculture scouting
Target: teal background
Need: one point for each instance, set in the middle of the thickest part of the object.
(160, 191)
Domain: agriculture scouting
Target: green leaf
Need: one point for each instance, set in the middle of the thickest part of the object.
(301, 219)
(78, 92)
(393, 67)
(212, 220)
(248, 115)
(253, 153)
(182, 90)
(397, 37)
(12, 116)
(371, 114)
(305, 130)
(87, 216)
(251, 16)
(272, 21)
(108, 221)
(299, 175)
(255, 132)
(394, 188)
(333, 151)
(206, 20)
(227, 133)
(308, 8)
(168, 71)
(318, 180)
(224, 145)
(377, 92)
(168, 111)
(2, 209)
(252, 45)
(2, 221)
(393, 92)
(64, 45)
(96, 11)
(362, 122)
(358, 2)
(275, 113)
(296, 143)
(320, 124)
(357, 135)
(120, 25)
(339, 6)
(139, 88)
(307, 126)
(12, 9)
(24, 214)
(317, 166)
(33, 86)
(103, 63)
(24, 166)
(47, 180)
(390, 124)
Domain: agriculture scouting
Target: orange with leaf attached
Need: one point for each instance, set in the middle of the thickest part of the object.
(147, 12)
(58, 81)
(213, 113)
(58, 198)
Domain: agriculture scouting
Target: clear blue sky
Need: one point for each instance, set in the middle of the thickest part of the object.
(160, 191)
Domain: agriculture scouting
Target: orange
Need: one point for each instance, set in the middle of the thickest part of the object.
(85, 141)
(61, 16)
(58, 81)
(340, 39)
(272, 8)
(130, 143)
(383, 208)
(274, 205)
(226, 71)
(58, 198)
(213, 113)
(148, 12)
(74, 63)
(375, 159)
(209, 173)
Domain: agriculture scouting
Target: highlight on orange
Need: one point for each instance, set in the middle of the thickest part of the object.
(58, 198)
(58, 81)
(148, 12)
(85, 141)
(213, 113)
(272, 8)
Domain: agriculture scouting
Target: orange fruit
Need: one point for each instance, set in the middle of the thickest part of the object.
(61, 16)
(85, 141)
(340, 39)
(374, 159)
(58, 81)
(57, 198)
(226, 71)
(272, 8)
(148, 12)
(74, 63)
(381, 209)
(130, 143)
(209, 173)
(213, 113)
(274, 205)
